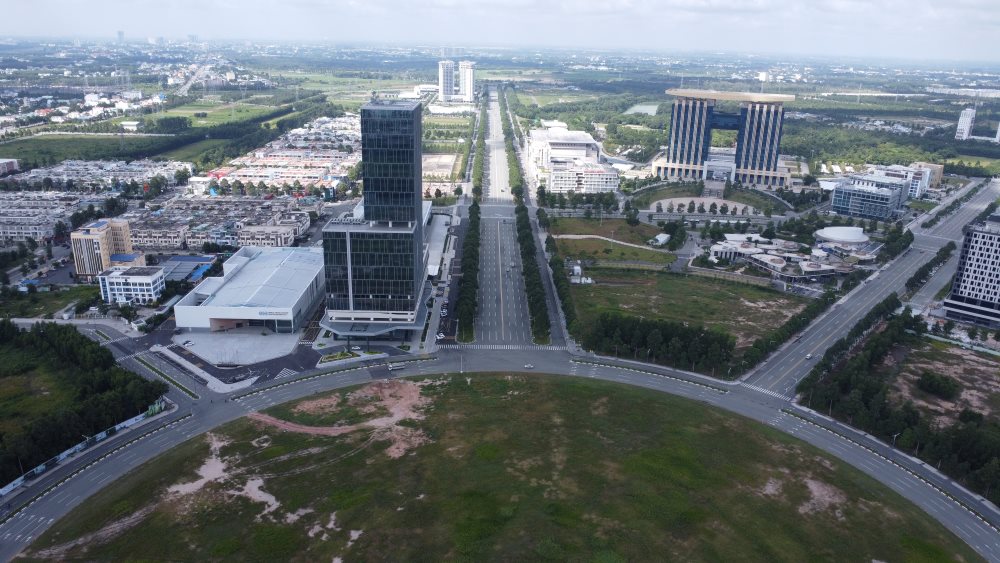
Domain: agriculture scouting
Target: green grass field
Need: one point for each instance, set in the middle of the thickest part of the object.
(27, 389)
(598, 249)
(218, 112)
(502, 468)
(921, 205)
(991, 163)
(616, 229)
(745, 311)
(83, 147)
(44, 304)
(191, 153)
(646, 199)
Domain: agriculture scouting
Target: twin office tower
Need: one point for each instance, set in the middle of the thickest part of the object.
(466, 81)
(758, 138)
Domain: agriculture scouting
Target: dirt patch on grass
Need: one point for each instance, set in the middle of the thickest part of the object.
(101, 536)
(599, 407)
(822, 497)
(213, 469)
(318, 406)
(772, 488)
(401, 400)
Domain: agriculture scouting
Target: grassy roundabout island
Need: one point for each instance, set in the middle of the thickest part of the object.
(497, 467)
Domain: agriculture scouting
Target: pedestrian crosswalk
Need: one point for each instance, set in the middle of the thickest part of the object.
(106, 342)
(503, 347)
(758, 389)
(132, 355)
(285, 373)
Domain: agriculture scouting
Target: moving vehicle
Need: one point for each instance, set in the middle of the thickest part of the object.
(809, 356)
(393, 367)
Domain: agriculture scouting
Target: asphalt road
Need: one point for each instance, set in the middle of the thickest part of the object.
(29, 522)
(502, 317)
(785, 368)
(764, 397)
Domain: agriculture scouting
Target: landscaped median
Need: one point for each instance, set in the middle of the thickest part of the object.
(167, 378)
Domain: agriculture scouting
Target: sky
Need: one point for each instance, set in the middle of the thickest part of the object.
(958, 30)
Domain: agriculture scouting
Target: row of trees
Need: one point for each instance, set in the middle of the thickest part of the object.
(467, 149)
(665, 342)
(516, 177)
(606, 201)
(468, 287)
(897, 239)
(951, 207)
(846, 385)
(537, 308)
(479, 161)
(534, 288)
(920, 277)
(103, 394)
(768, 343)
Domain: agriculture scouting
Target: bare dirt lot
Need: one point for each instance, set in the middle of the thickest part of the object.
(977, 373)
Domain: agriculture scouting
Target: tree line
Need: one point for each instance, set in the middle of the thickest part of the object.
(849, 389)
(897, 239)
(923, 273)
(535, 291)
(665, 342)
(468, 286)
(768, 343)
(479, 161)
(951, 207)
(103, 393)
(557, 264)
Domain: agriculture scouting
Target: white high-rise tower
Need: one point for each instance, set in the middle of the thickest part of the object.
(446, 80)
(965, 122)
(467, 80)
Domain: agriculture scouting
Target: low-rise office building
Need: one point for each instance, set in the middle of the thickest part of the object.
(869, 197)
(582, 177)
(138, 285)
(975, 291)
(272, 288)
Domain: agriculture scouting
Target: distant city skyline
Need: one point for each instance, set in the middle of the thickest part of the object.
(955, 30)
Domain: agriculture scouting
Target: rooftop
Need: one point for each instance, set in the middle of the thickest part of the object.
(262, 277)
(394, 104)
(136, 271)
(730, 96)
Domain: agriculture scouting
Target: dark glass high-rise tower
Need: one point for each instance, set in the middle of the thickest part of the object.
(758, 136)
(375, 266)
(391, 133)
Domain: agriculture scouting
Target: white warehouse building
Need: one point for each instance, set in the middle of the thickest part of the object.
(139, 285)
(272, 288)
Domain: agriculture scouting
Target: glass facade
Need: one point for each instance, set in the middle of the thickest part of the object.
(373, 271)
(759, 137)
(377, 264)
(391, 134)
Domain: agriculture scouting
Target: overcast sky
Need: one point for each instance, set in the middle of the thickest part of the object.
(914, 29)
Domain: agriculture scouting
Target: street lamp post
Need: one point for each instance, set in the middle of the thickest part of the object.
(894, 438)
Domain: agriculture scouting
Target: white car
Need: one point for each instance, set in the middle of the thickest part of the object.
(809, 356)
(528, 366)
(356, 348)
(440, 335)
